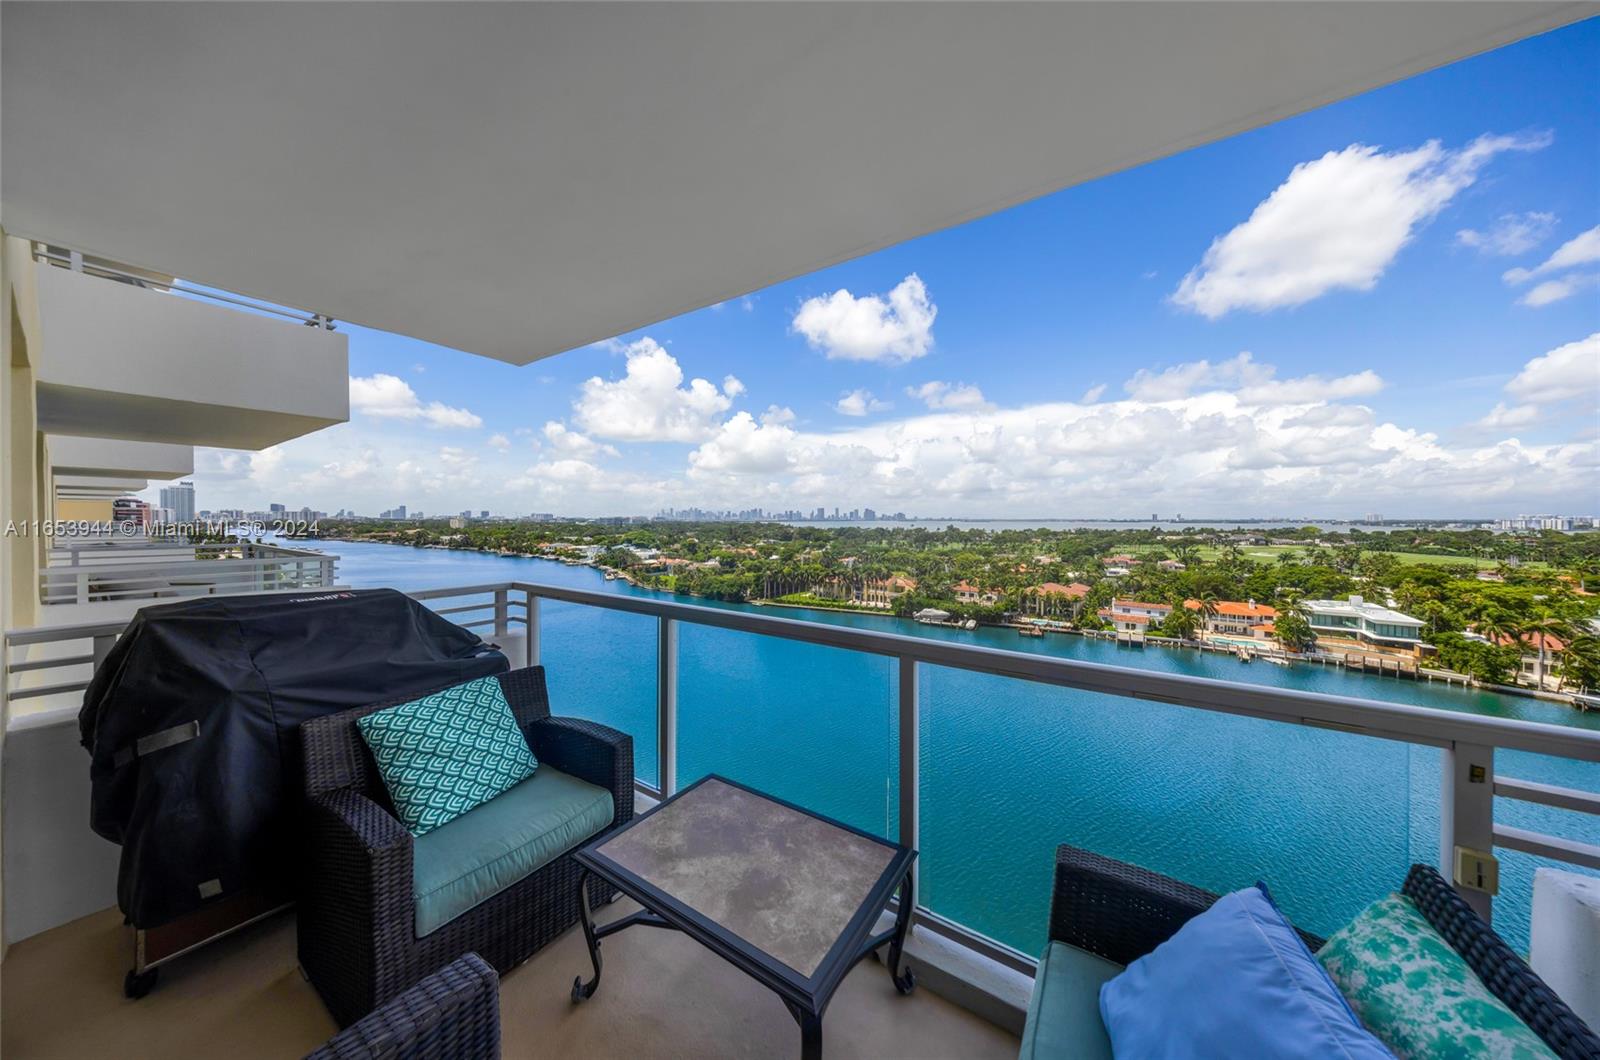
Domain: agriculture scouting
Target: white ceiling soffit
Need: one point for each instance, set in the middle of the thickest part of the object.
(519, 179)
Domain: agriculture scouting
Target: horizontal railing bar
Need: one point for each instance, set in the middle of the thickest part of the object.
(49, 664)
(53, 634)
(68, 575)
(1547, 794)
(46, 690)
(1547, 846)
(109, 271)
(465, 590)
(1366, 717)
(463, 608)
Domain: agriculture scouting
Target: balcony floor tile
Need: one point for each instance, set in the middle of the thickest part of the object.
(661, 996)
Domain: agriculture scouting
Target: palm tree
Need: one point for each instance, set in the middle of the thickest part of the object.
(1183, 622)
(1542, 629)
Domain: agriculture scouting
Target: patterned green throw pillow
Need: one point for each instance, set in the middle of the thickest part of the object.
(1414, 991)
(448, 752)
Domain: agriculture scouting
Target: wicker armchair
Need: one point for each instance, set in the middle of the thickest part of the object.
(1121, 912)
(356, 931)
(453, 1014)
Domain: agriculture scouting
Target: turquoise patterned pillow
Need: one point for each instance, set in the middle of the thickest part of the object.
(1413, 990)
(448, 752)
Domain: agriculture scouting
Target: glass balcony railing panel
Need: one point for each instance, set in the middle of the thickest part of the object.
(1513, 906)
(809, 724)
(601, 665)
(1011, 769)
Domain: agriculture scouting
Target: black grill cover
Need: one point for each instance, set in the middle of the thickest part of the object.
(191, 723)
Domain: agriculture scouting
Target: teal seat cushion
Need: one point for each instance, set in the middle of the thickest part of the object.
(485, 850)
(447, 752)
(1064, 1013)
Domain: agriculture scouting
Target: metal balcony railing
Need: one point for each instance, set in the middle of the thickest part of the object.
(89, 265)
(82, 573)
(1467, 743)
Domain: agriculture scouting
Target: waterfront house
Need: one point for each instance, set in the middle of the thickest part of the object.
(1235, 618)
(967, 593)
(1356, 623)
(883, 592)
(1540, 659)
(196, 197)
(1134, 616)
(1053, 598)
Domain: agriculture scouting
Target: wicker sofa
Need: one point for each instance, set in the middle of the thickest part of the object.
(453, 1014)
(366, 931)
(1108, 914)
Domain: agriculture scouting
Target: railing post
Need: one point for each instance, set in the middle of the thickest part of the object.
(667, 706)
(910, 756)
(502, 612)
(102, 648)
(1466, 814)
(530, 643)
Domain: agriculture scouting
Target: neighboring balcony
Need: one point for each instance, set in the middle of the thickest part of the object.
(127, 357)
(140, 572)
(161, 461)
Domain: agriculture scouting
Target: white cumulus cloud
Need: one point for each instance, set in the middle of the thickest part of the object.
(1252, 383)
(390, 397)
(650, 403)
(859, 403)
(895, 328)
(952, 396)
(744, 446)
(1336, 223)
(1552, 291)
(566, 442)
(498, 441)
(1567, 373)
(1581, 249)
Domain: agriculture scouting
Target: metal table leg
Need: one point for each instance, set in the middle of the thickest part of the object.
(907, 981)
(581, 990)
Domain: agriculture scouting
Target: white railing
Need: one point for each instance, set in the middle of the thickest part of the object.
(77, 261)
(1467, 742)
(89, 573)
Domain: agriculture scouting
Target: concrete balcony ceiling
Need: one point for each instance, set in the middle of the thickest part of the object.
(116, 456)
(125, 362)
(519, 179)
(108, 485)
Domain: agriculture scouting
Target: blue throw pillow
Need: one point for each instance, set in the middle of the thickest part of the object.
(1234, 981)
(448, 752)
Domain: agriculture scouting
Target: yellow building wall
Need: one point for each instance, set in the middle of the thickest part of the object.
(23, 500)
(84, 511)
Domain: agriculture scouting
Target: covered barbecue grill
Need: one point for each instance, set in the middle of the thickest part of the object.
(192, 723)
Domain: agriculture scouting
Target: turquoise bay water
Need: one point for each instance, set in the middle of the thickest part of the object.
(1010, 769)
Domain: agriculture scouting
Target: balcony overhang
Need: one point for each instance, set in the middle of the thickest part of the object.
(508, 179)
(116, 456)
(120, 361)
(98, 485)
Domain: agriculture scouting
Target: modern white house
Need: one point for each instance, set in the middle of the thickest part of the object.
(197, 200)
(1364, 623)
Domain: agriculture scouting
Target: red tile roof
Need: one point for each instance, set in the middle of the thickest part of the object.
(1551, 642)
(1077, 589)
(1236, 608)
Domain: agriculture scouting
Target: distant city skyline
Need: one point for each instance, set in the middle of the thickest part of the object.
(1391, 304)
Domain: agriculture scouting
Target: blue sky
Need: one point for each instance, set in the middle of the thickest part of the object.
(1320, 317)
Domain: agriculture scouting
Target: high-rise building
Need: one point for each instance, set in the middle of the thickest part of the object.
(179, 500)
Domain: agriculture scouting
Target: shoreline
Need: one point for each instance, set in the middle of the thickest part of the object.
(1449, 677)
